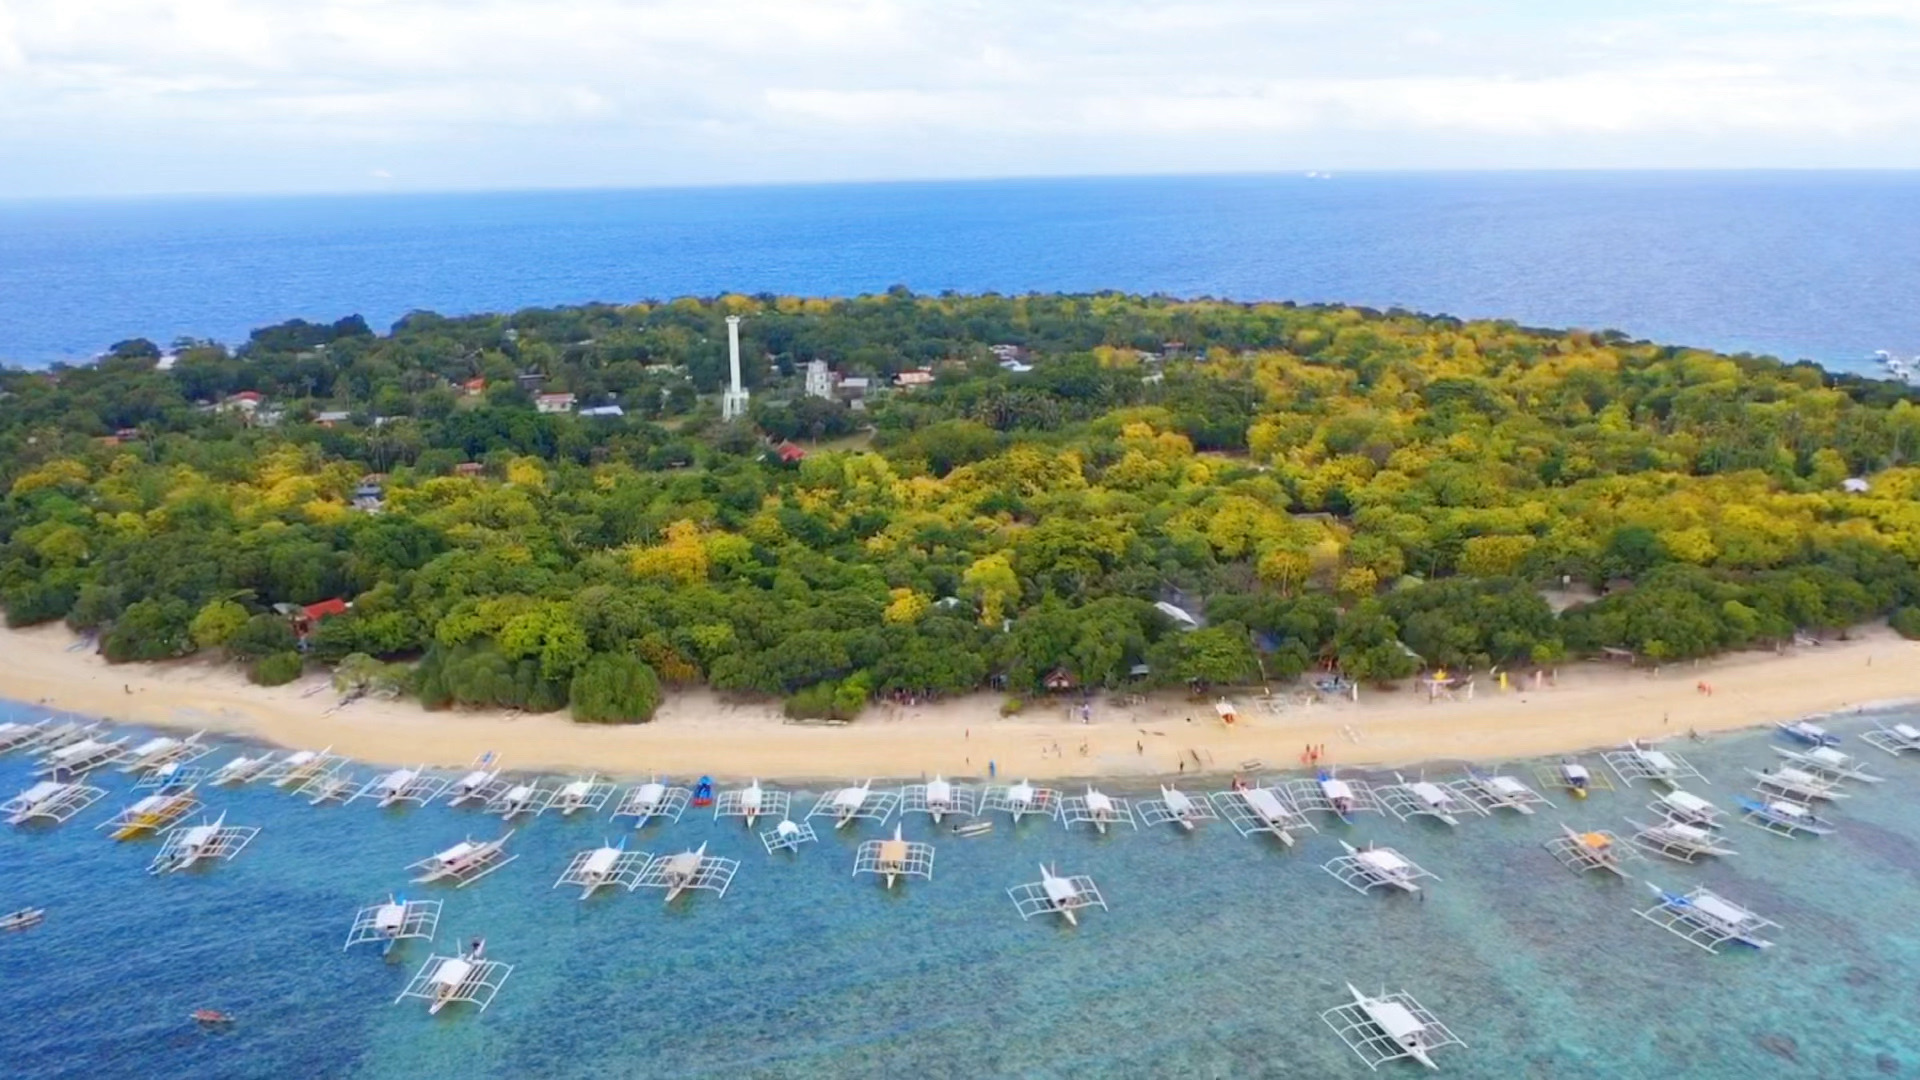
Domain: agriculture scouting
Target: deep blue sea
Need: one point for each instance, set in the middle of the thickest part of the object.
(1813, 265)
(1215, 960)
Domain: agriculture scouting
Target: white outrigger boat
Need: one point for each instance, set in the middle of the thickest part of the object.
(689, 870)
(326, 787)
(1329, 794)
(1422, 797)
(1020, 800)
(51, 801)
(66, 733)
(588, 793)
(1808, 732)
(394, 920)
(1637, 761)
(151, 813)
(481, 784)
(465, 862)
(752, 803)
(1178, 807)
(241, 769)
(1570, 776)
(169, 777)
(296, 767)
(20, 735)
(445, 980)
(1686, 808)
(1678, 841)
(939, 797)
(1391, 1027)
(1895, 739)
(1098, 809)
(22, 919)
(894, 858)
(608, 864)
(849, 804)
(163, 750)
(788, 836)
(186, 846)
(1825, 761)
(1797, 784)
(401, 786)
(1706, 919)
(1053, 894)
(653, 799)
(1594, 850)
(522, 798)
(1361, 869)
(1782, 817)
(1261, 810)
(82, 757)
(1489, 793)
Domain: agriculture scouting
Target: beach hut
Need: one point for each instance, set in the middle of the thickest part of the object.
(186, 846)
(937, 798)
(752, 803)
(894, 858)
(788, 836)
(1364, 869)
(653, 801)
(1328, 793)
(1490, 792)
(1407, 798)
(588, 793)
(1597, 849)
(1706, 919)
(50, 801)
(1225, 710)
(392, 921)
(1390, 1027)
(402, 786)
(1895, 739)
(689, 870)
(448, 980)
(608, 864)
(151, 813)
(1253, 810)
(1178, 807)
(1020, 800)
(465, 862)
(1637, 761)
(854, 803)
(1678, 841)
(1097, 809)
(1053, 894)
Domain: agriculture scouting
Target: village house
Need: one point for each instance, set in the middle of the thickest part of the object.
(554, 403)
(909, 380)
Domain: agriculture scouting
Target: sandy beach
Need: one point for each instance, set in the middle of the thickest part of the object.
(1585, 705)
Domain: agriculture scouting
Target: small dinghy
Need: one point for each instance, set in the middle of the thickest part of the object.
(22, 919)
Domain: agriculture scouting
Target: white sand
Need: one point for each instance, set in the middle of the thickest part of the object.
(1589, 705)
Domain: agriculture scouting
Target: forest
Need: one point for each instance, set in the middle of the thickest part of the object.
(1321, 488)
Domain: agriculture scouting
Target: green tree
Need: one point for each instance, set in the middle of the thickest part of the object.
(614, 688)
(217, 623)
(260, 636)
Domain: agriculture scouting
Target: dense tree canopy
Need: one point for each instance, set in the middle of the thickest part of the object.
(1319, 485)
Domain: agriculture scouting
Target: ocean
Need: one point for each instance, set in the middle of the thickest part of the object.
(1800, 265)
(1215, 959)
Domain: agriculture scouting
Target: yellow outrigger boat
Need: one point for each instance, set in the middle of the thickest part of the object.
(153, 813)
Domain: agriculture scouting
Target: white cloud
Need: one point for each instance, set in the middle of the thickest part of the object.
(271, 94)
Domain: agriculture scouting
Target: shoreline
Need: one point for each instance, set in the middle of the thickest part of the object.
(1589, 705)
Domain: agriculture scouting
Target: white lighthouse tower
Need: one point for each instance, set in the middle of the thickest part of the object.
(733, 402)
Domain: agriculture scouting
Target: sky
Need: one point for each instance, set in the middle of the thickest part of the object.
(132, 97)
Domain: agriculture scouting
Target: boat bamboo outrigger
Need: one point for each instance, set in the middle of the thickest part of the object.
(1098, 809)
(848, 804)
(1053, 894)
(480, 785)
(1782, 817)
(24, 919)
(1677, 841)
(241, 769)
(465, 862)
(939, 797)
(788, 836)
(186, 846)
(1594, 850)
(1895, 739)
(151, 813)
(326, 787)
(513, 800)
(172, 776)
(1809, 733)
(21, 735)
(445, 980)
(392, 921)
(1636, 761)
(1489, 793)
(1706, 919)
(50, 801)
(163, 750)
(608, 864)
(1363, 869)
(1020, 800)
(1797, 784)
(66, 733)
(1390, 1027)
(894, 858)
(77, 759)
(1571, 777)
(1826, 762)
(1253, 810)
(689, 870)
(1422, 797)
(1329, 794)
(1178, 807)
(1686, 808)
(752, 802)
(293, 769)
(653, 799)
(588, 793)
(415, 785)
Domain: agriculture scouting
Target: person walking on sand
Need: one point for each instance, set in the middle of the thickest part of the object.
(1139, 747)
(993, 770)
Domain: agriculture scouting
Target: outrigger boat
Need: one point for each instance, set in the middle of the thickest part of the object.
(1360, 869)
(172, 776)
(22, 919)
(894, 859)
(1490, 793)
(521, 799)
(1784, 818)
(1328, 793)
(1020, 800)
(788, 836)
(1685, 808)
(1571, 777)
(1809, 732)
(1097, 808)
(19, 735)
(1637, 761)
(296, 768)
(1261, 810)
(444, 980)
(1706, 919)
(689, 870)
(151, 813)
(326, 788)
(1894, 739)
(1596, 850)
(187, 845)
(1407, 799)
(82, 757)
(650, 800)
(1825, 761)
(608, 864)
(465, 862)
(394, 921)
(848, 804)
(1677, 841)
(1391, 1027)
(588, 793)
(1064, 896)
(163, 750)
(53, 801)
(66, 733)
(1178, 807)
(481, 784)
(1797, 784)
(401, 786)
(240, 769)
(752, 802)
(937, 798)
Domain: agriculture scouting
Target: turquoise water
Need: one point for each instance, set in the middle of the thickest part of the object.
(1216, 959)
